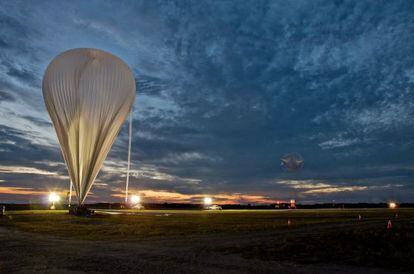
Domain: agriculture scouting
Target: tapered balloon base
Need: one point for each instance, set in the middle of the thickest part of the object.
(81, 211)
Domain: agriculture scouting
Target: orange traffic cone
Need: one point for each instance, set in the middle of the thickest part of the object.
(389, 225)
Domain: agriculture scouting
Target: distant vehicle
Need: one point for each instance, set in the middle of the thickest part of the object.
(139, 207)
(282, 205)
(214, 207)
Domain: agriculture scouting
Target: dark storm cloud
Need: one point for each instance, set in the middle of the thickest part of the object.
(257, 108)
(38, 121)
(4, 96)
(225, 89)
(16, 149)
(22, 75)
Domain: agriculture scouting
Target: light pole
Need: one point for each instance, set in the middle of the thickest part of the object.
(129, 157)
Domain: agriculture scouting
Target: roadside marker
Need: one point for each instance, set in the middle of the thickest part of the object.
(389, 225)
(289, 222)
(359, 217)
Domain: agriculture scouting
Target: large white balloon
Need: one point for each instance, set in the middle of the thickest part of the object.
(88, 93)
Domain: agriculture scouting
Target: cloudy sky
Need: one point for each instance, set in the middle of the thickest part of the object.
(224, 89)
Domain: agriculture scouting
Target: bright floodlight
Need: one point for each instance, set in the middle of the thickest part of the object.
(208, 201)
(392, 205)
(135, 199)
(53, 197)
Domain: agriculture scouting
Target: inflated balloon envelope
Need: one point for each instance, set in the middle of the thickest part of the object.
(88, 94)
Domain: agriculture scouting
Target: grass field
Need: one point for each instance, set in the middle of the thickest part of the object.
(300, 236)
(150, 223)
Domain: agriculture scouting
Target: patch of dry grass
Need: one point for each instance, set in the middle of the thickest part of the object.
(313, 236)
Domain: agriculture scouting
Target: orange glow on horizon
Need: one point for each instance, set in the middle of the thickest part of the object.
(152, 196)
(21, 191)
(162, 196)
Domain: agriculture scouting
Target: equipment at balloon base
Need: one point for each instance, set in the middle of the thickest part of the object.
(81, 211)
